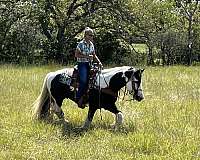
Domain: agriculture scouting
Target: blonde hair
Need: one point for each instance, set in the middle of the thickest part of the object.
(88, 29)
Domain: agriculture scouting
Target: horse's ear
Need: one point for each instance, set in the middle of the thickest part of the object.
(142, 70)
(128, 73)
(131, 68)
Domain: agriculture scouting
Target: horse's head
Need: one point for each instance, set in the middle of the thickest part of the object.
(118, 77)
(134, 84)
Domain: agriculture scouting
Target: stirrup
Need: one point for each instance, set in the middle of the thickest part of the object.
(80, 103)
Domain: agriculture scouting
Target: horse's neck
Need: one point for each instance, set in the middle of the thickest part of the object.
(103, 79)
(114, 70)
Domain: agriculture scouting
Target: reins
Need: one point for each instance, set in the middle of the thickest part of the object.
(109, 91)
(103, 79)
(100, 93)
(126, 91)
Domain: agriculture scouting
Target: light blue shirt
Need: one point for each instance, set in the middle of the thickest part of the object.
(85, 49)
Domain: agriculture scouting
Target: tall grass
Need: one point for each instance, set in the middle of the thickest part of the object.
(164, 126)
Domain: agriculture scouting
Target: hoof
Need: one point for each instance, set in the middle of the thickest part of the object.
(80, 129)
(116, 126)
(63, 120)
(113, 126)
(66, 120)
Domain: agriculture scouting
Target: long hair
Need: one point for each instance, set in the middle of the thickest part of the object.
(39, 103)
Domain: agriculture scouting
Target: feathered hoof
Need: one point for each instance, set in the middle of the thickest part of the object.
(113, 126)
(116, 126)
(66, 120)
(80, 129)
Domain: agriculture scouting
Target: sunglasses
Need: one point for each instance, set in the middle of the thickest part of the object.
(91, 35)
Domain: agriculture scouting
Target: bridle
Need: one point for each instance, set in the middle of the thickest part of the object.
(134, 89)
(134, 82)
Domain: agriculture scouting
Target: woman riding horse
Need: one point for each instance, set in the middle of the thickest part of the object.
(56, 88)
(85, 53)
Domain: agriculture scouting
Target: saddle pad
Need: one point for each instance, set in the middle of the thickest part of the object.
(65, 79)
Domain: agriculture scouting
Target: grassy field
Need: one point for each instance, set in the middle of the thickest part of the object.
(166, 125)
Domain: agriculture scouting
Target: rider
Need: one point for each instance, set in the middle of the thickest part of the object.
(85, 53)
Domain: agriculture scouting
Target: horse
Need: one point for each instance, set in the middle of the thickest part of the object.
(108, 83)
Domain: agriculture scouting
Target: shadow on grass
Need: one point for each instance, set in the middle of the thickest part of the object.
(122, 129)
(71, 130)
(68, 129)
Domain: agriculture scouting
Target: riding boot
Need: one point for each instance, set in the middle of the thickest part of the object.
(80, 103)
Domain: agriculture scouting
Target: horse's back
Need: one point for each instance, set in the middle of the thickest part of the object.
(52, 75)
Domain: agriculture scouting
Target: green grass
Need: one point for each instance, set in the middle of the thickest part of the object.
(164, 126)
(140, 48)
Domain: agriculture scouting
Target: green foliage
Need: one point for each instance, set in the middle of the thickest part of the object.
(172, 49)
(163, 126)
(48, 30)
(108, 47)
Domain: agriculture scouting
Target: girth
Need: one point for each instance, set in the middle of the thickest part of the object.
(109, 91)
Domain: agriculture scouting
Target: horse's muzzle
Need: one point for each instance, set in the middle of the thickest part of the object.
(138, 96)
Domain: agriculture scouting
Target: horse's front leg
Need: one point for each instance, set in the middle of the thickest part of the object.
(118, 119)
(118, 116)
(89, 118)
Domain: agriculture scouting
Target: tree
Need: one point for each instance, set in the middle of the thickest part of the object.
(188, 9)
(62, 21)
(48, 30)
(18, 31)
(148, 18)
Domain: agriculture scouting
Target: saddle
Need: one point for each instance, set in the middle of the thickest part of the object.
(94, 69)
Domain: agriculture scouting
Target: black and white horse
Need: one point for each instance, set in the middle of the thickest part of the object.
(56, 88)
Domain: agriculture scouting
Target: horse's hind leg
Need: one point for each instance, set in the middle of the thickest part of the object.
(56, 108)
(45, 112)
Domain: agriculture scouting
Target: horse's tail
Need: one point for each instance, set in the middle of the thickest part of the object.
(41, 102)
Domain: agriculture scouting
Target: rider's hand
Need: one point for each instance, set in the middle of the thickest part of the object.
(91, 57)
(100, 65)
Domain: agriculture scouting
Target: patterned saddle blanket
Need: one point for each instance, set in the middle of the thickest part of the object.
(73, 80)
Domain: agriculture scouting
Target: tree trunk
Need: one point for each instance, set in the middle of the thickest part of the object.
(163, 54)
(190, 40)
(60, 44)
(150, 60)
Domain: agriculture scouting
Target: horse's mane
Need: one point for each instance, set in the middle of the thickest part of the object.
(111, 71)
(108, 73)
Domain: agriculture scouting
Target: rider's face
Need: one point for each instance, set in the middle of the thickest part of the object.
(89, 36)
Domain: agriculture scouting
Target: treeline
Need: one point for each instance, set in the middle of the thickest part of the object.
(44, 31)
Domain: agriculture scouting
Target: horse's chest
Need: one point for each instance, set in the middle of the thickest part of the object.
(103, 99)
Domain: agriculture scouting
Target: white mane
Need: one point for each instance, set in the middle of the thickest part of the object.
(106, 75)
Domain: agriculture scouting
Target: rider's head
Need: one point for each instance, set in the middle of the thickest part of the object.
(88, 34)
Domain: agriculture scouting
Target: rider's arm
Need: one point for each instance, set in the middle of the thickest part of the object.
(78, 54)
(97, 59)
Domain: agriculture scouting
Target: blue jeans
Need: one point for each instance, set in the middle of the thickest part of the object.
(83, 69)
